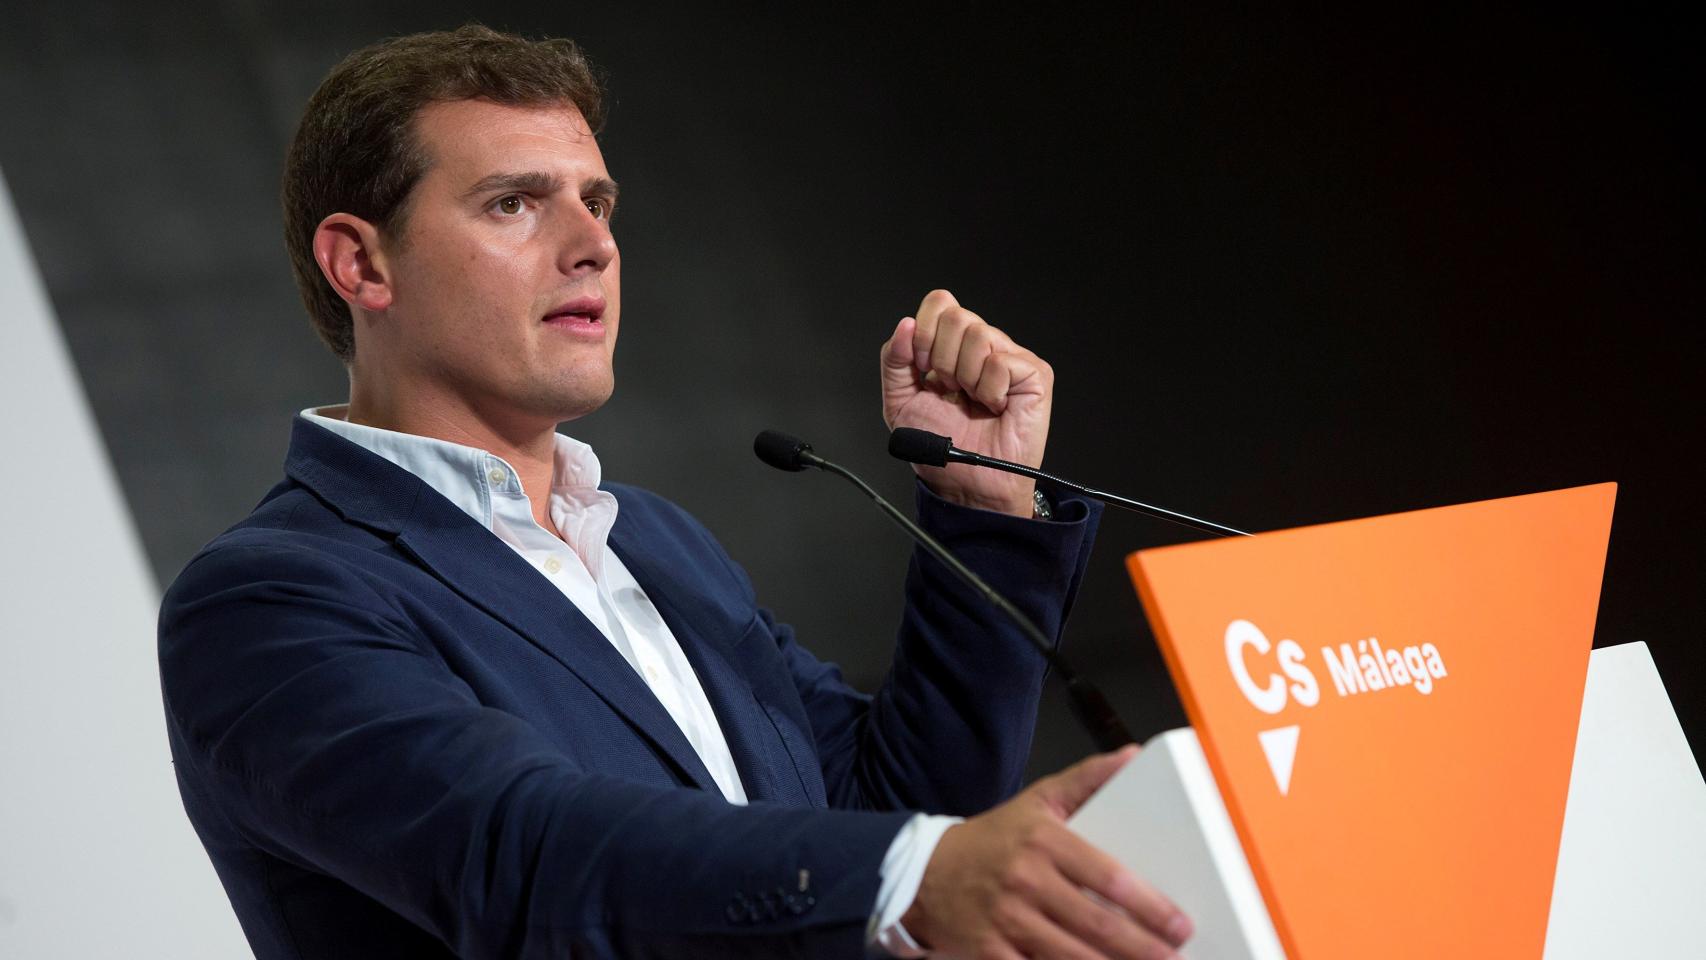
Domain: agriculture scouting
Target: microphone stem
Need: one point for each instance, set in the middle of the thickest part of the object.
(1185, 519)
(1088, 703)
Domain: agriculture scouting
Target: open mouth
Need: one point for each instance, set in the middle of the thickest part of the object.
(577, 311)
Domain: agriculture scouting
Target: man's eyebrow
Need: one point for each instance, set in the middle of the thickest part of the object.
(539, 184)
(601, 187)
(531, 181)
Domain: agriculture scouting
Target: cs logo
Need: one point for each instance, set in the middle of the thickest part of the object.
(1242, 636)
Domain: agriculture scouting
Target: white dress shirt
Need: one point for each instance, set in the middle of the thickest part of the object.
(592, 577)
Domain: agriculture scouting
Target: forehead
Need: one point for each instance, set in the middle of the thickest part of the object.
(469, 139)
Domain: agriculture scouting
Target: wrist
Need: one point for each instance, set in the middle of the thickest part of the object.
(902, 873)
(1014, 503)
(916, 920)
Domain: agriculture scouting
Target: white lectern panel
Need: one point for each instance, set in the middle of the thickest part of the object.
(1631, 878)
(1163, 818)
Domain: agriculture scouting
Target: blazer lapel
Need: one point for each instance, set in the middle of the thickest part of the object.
(483, 570)
(704, 631)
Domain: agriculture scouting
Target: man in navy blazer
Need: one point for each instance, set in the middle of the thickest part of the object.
(396, 737)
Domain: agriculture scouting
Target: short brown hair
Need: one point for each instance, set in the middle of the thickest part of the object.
(355, 150)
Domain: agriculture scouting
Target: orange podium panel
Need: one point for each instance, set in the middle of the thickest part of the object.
(1389, 707)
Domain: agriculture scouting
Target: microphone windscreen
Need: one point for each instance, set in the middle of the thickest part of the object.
(919, 446)
(780, 450)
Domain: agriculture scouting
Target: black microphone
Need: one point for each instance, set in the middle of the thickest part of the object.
(934, 450)
(784, 452)
(1092, 709)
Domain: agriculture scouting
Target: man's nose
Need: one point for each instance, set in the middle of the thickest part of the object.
(587, 244)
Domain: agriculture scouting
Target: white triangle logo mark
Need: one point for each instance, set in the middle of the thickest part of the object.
(1280, 745)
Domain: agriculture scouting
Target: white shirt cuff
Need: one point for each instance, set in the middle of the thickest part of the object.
(901, 872)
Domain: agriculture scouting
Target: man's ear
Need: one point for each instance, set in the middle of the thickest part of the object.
(353, 262)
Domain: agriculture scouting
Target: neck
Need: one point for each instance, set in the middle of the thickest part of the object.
(529, 447)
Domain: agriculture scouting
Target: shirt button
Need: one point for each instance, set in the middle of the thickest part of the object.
(497, 476)
(651, 673)
(552, 565)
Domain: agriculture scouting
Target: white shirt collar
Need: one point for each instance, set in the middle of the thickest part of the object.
(470, 478)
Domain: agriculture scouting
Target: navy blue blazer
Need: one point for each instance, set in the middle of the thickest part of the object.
(395, 738)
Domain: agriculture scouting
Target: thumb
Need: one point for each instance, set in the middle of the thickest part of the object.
(1067, 790)
(897, 352)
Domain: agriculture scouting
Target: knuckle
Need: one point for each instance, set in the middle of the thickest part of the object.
(1106, 877)
(1108, 926)
(1033, 836)
(1019, 877)
(962, 319)
(1097, 919)
(1007, 917)
(1014, 919)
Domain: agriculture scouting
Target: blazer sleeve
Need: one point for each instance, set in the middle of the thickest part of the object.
(949, 731)
(325, 733)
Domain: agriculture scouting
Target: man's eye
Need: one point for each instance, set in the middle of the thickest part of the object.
(511, 205)
(598, 208)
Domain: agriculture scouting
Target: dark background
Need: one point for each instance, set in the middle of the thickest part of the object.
(1289, 269)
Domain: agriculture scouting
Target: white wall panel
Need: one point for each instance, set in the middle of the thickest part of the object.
(96, 856)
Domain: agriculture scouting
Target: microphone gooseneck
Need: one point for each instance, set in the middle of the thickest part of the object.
(934, 450)
(1092, 709)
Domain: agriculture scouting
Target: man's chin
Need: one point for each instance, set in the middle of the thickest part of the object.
(579, 401)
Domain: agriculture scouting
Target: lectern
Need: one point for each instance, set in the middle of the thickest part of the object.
(1402, 745)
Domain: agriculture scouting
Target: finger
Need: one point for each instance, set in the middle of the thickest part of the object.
(1028, 927)
(991, 384)
(966, 362)
(1093, 870)
(993, 949)
(897, 350)
(1099, 925)
(1067, 790)
(985, 351)
(929, 312)
(952, 328)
